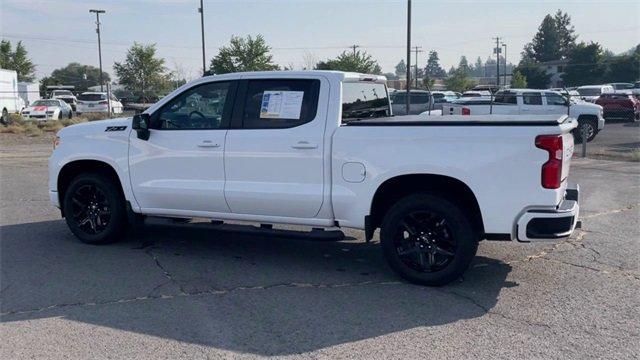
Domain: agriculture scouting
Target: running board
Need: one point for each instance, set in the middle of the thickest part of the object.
(316, 234)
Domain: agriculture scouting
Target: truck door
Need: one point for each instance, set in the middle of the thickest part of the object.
(556, 104)
(274, 148)
(180, 168)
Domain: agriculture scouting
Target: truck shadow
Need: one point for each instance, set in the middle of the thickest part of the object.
(236, 292)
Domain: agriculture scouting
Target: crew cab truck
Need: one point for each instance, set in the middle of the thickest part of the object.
(533, 102)
(321, 149)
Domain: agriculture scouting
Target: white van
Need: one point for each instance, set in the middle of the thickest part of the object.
(592, 92)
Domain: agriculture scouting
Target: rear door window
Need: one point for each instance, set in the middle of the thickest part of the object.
(532, 98)
(367, 99)
(555, 99)
(282, 103)
(505, 97)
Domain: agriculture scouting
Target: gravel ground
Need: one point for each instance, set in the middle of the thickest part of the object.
(188, 292)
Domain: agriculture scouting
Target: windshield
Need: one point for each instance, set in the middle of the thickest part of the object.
(92, 97)
(364, 100)
(589, 92)
(46, 103)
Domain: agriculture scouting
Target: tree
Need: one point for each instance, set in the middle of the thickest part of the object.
(566, 33)
(464, 64)
(545, 45)
(401, 68)
(433, 69)
(624, 68)
(142, 72)
(17, 60)
(585, 65)
(77, 75)
(359, 61)
(535, 74)
(243, 54)
(458, 81)
(518, 81)
(478, 68)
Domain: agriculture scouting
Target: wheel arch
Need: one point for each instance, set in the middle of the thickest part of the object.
(397, 187)
(74, 168)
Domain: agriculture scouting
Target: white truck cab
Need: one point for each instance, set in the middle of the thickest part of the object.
(319, 148)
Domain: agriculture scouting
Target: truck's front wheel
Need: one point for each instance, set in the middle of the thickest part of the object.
(94, 209)
(428, 239)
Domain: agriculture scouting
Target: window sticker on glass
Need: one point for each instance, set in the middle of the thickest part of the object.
(281, 104)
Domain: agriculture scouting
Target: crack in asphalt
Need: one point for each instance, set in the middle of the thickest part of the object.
(578, 242)
(200, 293)
(166, 272)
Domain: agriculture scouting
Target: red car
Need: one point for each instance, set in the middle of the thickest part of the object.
(620, 106)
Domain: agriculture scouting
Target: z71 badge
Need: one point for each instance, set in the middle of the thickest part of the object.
(115, 128)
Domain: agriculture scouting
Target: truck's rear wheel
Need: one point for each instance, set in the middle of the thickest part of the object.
(427, 239)
(5, 117)
(94, 209)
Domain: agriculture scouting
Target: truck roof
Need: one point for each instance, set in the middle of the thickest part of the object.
(334, 75)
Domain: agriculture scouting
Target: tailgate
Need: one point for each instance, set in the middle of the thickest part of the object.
(567, 145)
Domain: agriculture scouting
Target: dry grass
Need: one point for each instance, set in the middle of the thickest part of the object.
(32, 128)
(94, 116)
(12, 129)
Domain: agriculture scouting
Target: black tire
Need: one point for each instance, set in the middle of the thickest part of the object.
(451, 232)
(94, 209)
(5, 117)
(592, 130)
(70, 114)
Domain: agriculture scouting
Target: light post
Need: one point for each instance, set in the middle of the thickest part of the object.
(98, 12)
(505, 63)
(408, 101)
(201, 11)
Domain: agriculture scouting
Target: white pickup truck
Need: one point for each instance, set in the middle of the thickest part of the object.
(321, 149)
(532, 102)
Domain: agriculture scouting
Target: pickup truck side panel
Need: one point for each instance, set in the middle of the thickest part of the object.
(105, 141)
(501, 165)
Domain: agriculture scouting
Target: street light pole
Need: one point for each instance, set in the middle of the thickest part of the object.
(408, 101)
(201, 11)
(505, 63)
(497, 61)
(98, 12)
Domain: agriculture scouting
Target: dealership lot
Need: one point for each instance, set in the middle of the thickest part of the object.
(185, 291)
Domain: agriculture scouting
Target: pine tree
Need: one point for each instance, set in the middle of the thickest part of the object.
(566, 33)
(433, 69)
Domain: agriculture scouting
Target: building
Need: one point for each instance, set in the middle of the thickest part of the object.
(555, 68)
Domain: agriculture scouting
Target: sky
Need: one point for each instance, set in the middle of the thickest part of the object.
(57, 32)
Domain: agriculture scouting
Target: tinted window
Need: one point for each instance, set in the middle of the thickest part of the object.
(420, 98)
(365, 99)
(530, 98)
(555, 99)
(589, 91)
(280, 103)
(505, 98)
(92, 97)
(200, 107)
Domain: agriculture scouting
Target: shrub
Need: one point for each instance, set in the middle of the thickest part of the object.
(94, 116)
(12, 129)
(32, 130)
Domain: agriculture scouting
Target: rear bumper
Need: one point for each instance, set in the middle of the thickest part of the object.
(551, 224)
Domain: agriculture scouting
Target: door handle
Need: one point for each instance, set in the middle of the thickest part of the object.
(304, 145)
(208, 144)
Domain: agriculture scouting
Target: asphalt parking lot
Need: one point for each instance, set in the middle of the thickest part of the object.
(188, 292)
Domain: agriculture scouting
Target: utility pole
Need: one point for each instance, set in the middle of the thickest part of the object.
(354, 47)
(505, 63)
(416, 49)
(408, 101)
(497, 51)
(201, 11)
(98, 12)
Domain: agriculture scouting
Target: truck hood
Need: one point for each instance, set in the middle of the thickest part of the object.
(110, 126)
(583, 108)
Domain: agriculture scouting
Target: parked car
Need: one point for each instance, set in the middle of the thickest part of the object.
(47, 109)
(442, 97)
(10, 102)
(420, 102)
(591, 92)
(320, 149)
(572, 94)
(476, 93)
(533, 102)
(66, 96)
(90, 102)
(624, 88)
(620, 106)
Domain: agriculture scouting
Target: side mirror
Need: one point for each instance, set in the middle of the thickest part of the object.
(141, 125)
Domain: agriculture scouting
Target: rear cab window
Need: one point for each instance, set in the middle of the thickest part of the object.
(362, 100)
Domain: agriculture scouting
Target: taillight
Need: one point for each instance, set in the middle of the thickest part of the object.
(466, 111)
(552, 169)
